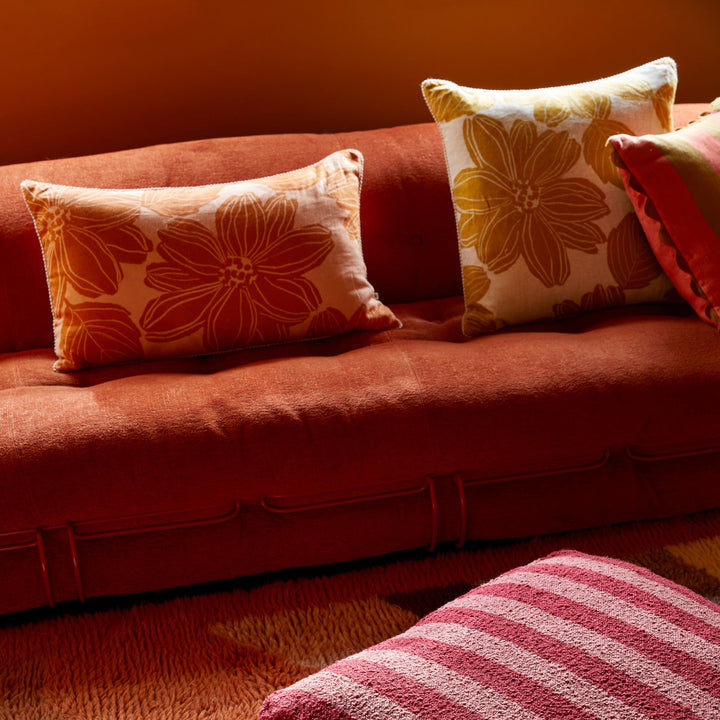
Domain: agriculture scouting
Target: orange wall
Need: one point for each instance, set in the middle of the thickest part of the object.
(93, 75)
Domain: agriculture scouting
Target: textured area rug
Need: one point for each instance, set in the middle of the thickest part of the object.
(218, 653)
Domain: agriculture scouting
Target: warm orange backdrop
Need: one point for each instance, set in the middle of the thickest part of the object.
(92, 75)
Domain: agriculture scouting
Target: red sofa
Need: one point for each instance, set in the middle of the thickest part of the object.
(166, 473)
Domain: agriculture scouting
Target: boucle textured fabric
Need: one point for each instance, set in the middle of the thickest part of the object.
(570, 636)
(217, 654)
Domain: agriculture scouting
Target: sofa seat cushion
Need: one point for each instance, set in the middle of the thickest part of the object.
(570, 636)
(380, 409)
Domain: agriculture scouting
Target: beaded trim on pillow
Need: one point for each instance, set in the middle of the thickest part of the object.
(544, 226)
(174, 272)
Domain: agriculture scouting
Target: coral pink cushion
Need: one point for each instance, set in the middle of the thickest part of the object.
(674, 184)
(568, 636)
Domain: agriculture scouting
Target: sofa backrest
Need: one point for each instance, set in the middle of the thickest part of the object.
(407, 223)
(406, 213)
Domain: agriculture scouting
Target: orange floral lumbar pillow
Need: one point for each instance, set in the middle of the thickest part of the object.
(162, 272)
(544, 225)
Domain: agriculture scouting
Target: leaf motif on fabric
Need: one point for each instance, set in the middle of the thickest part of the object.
(594, 101)
(599, 298)
(596, 152)
(296, 180)
(630, 259)
(637, 90)
(551, 111)
(662, 100)
(178, 202)
(343, 187)
(590, 104)
(327, 322)
(97, 334)
(88, 234)
(553, 107)
(477, 318)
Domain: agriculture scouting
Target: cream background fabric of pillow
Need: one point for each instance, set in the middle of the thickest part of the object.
(136, 274)
(544, 224)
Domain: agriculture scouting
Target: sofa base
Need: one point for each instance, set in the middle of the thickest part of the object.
(130, 555)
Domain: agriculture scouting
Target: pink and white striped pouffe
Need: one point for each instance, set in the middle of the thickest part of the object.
(568, 636)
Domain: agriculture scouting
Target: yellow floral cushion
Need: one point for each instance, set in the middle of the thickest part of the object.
(148, 273)
(544, 225)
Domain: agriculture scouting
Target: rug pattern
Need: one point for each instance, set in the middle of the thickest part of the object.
(216, 654)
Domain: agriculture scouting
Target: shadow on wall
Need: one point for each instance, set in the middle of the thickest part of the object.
(83, 76)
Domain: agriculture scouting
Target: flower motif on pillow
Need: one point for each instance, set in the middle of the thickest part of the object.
(537, 212)
(167, 272)
(80, 251)
(537, 197)
(344, 191)
(595, 104)
(242, 284)
(178, 202)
